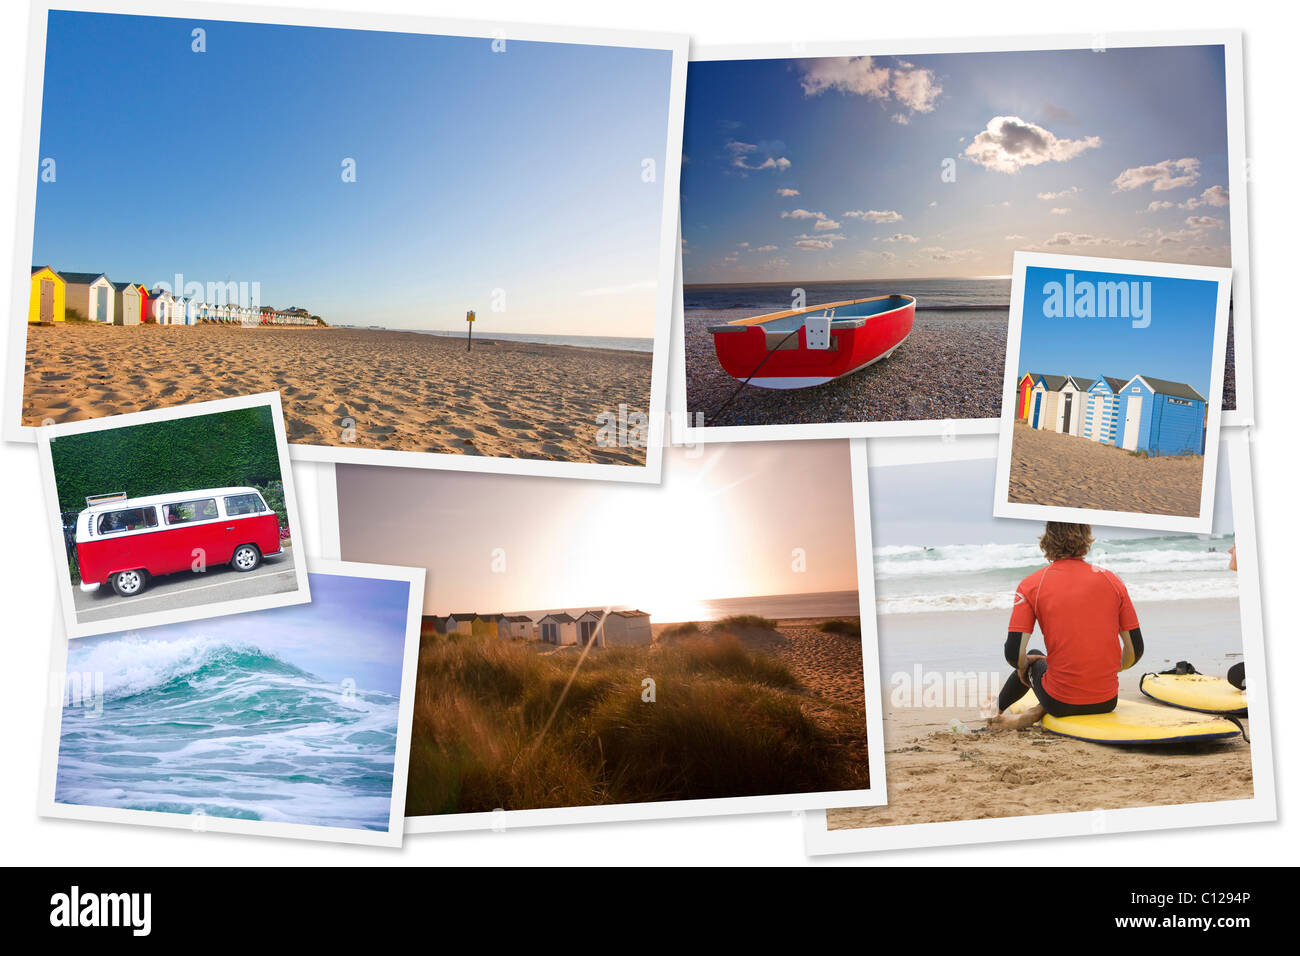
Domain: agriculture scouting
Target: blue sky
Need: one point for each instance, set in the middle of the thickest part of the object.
(1177, 344)
(353, 628)
(475, 170)
(940, 503)
(830, 168)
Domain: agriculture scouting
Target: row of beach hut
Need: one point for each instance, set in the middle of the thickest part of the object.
(1141, 413)
(620, 628)
(97, 298)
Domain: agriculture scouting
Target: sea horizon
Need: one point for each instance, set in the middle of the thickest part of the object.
(773, 606)
(621, 343)
(932, 295)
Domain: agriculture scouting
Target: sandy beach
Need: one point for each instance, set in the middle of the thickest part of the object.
(934, 775)
(949, 367)
(1048, 468)
(404, 391)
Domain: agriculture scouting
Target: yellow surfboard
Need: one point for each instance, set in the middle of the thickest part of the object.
(1132, 722)
(1207, 695)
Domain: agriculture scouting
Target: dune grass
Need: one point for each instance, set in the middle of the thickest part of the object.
(675, 631)
(742, 622)
(495, 727)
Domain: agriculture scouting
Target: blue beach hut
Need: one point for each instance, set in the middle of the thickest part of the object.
(1161, 417)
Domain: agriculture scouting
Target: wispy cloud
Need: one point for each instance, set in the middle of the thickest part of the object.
(874, 215)
(1162, 176)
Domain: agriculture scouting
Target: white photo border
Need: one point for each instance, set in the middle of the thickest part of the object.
(392, 837)
(1261, 808)
(1199, 524)
(872, 715)
(48, 433)
(670, 176)
(684, 433)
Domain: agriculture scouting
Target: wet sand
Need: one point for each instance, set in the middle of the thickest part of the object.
(949, 367)
(358, 388)
(1048, 468)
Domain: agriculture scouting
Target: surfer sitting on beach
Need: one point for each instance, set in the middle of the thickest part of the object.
(1080, 609)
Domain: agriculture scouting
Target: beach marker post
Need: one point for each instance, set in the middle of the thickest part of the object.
(469, 340)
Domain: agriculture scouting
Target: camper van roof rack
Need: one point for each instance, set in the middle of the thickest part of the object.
(92, 500)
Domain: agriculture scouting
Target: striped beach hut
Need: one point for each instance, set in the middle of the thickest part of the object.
(1101, 410)
(49, 296)
(1023, 390)
(126, 303)
(1043, 401)
(1160, 417)
(89, 295)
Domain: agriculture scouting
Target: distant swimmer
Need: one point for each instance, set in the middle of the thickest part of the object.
(1089, 626)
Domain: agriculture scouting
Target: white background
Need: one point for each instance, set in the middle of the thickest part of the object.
(775, 838)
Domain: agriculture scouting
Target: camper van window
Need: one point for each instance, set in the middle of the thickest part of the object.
(244, 505)
(131, 519)
(183, 512)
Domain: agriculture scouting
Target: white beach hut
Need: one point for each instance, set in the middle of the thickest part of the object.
(90, 295)
(519, 626)
(558, 629)
(620, 628)
(161, 304)
(1070, 405)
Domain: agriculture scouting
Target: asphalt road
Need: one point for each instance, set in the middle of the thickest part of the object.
(274, 575)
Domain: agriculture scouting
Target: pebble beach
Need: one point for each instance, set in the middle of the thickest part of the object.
(950, 367)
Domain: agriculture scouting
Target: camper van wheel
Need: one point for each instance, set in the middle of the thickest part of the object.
(246, 558)
(128, 583)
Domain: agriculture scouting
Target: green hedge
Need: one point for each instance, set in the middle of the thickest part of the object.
(205, 451)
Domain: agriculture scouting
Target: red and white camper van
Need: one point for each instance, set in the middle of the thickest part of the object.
(124, 541)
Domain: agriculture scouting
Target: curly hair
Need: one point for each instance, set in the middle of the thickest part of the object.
(1062, 539)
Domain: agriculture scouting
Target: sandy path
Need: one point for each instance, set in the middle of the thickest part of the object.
(828, 665)
(350, 387)
(1048, 468)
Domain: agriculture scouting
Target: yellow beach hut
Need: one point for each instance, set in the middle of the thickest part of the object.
(49, 296)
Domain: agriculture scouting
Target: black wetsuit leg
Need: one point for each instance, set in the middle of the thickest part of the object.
(1013, 690)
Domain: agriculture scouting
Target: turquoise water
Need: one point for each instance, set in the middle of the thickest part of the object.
(197, 725)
